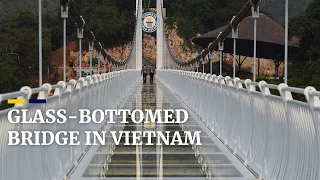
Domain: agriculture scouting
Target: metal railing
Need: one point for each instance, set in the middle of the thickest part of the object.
(54, 162)
(275, 136)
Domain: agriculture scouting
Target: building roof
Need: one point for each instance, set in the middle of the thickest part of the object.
(270, 38)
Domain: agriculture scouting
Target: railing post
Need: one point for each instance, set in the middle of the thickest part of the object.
(45, 94)
(285, 96)
(313, 99)
(26, 97)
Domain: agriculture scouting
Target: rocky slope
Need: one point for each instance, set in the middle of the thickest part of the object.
(267, 67)
(175, 43)
(73, 55)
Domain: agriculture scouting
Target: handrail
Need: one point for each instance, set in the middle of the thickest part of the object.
(54, 161)
(275, 136)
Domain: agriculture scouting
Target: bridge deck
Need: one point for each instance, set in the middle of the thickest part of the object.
(172, 162)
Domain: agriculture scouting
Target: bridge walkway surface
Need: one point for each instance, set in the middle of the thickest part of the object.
(211, 160)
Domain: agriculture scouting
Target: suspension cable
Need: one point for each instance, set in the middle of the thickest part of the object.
(234, 23)
(79, 21)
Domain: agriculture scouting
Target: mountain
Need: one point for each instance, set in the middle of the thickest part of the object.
(277, 9)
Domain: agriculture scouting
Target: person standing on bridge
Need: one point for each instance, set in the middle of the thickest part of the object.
(144, 73)
(152, 71)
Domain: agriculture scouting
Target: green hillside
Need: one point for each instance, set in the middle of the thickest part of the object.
(277, 10)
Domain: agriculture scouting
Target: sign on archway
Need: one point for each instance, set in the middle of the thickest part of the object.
(149, 22)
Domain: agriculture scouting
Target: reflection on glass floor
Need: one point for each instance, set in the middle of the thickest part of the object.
(209, 161)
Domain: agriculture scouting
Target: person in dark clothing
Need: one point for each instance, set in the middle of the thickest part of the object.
(144, 73)
(152, 71)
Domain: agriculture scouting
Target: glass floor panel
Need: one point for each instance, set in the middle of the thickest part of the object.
(170, 162)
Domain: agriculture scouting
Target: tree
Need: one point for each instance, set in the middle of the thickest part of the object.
(55, 24)
(193, 17)
(111, 25)
(23, 42)
(303, 74)
(22, 19)
(307, 27)
(304, 69)
(19, 49)
(10, 74)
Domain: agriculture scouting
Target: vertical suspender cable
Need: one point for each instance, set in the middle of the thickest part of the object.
(286, 43)
(221, 59)
(40, 43)
(234, 57)
(104, 65)
(255, 16)
(203, 62)
(210, 59)
(64, 16)
(235, 32)
(64, 49)
(90, 54)
(254, 49)
(99, 54)
(80, 56)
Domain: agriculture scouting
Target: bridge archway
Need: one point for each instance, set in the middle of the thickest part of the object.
(139, 36)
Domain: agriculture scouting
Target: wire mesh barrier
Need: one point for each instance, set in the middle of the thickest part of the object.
(277, 137)
(54, 161)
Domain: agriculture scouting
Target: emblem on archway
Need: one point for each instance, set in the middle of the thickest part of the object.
(149, 22)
